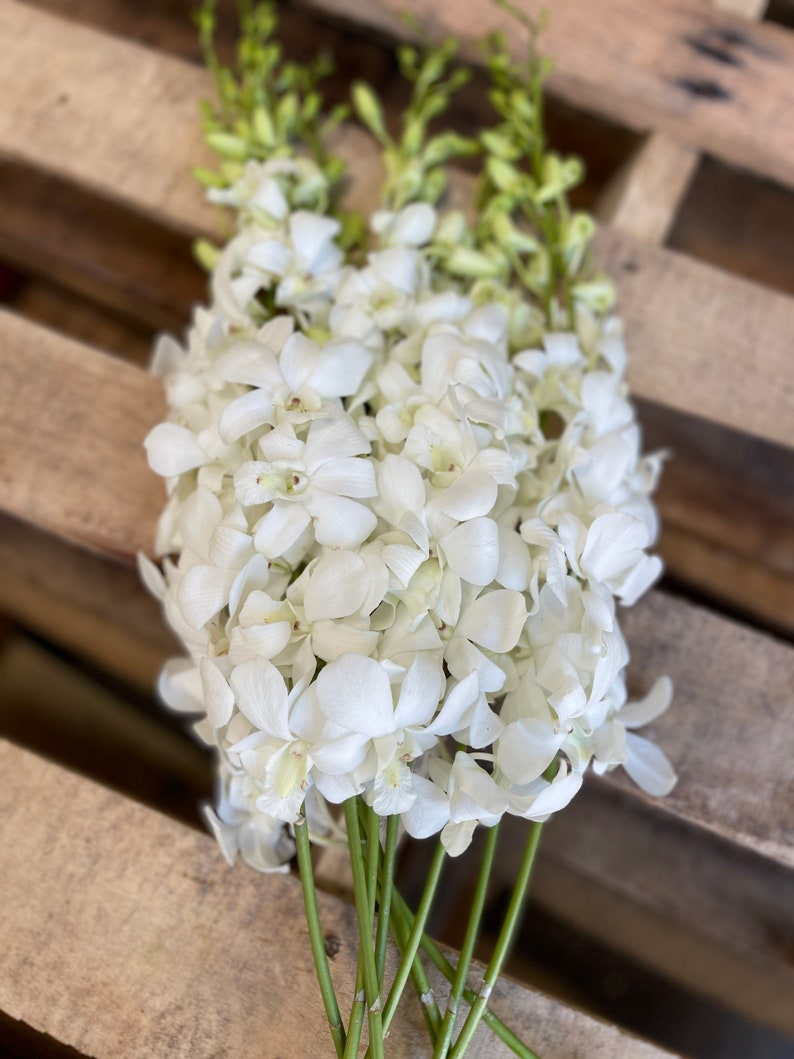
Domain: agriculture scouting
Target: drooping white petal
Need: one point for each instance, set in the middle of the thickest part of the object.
(330, 639)
(494, 620)
(246, 413)
(218, 696)
(341, 367)
(203, 591)
(280, 528)
(647, 709)
(420, 691)
(648, 766)
(348, 476)
(526, 748)
(614, 542)
(172, 450)
(179, 686)
(151, 575)
(472, 550)
(355, 693)
(473, 494)
(265, 641)
(429, 813)
(554, 797)
(262, 696)
(337, 587)
(331, 439)
(338, 521)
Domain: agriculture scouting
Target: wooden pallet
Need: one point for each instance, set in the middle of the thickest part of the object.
(113, 915)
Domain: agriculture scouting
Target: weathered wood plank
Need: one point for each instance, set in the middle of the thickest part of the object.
(723, 335)
(730, 732)
(88, 604)
(706, 77)
(71, 463)
(703, 341)
(126, 935)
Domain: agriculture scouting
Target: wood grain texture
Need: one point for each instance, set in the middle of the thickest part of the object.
(703, 341)
(707, 78)
(126, 936)
(644, 197)
(725, 338)
(115, 118)
(730, 732)
(71, 462)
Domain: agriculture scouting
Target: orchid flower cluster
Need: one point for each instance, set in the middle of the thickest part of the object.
(405, 495)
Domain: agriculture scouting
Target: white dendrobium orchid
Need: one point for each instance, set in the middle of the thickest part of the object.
(402, 529)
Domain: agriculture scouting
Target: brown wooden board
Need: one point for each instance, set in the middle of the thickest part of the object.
(126, 935)
(706, 77)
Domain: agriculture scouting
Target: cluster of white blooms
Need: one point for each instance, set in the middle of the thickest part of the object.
(400, 539)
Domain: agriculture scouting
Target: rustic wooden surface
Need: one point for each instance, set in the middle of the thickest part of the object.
(96, 152)
(706, 77)
(126, 935)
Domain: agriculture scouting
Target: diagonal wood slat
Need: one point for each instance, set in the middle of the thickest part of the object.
(142, 155)
(709, 78)
(126, 936)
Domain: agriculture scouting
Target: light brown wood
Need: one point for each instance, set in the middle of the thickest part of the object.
(53, 709)
(646, 193)
(98, 250)
(91, 109)
(71, 463)
(705, 77)
(126, 935)
(730, 732)
(703, 341)
(90, 605)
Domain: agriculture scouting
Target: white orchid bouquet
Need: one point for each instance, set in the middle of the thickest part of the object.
(405, 491)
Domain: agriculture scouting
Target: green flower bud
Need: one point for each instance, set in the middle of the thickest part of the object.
(370, 111)
(206, 254)
(452, 229)
(263, 127)
(598, 294)
(228, 146)
(465, 261)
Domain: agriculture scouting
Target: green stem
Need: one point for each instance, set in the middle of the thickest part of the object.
(356, 1014)
(365, 913)
(401, 928)
(492, 1021)
(467, 949)
(415, 937)
(503, 944)
(316, 936)
(387, 885)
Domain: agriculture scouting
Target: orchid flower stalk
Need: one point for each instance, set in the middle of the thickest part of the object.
(405, 492)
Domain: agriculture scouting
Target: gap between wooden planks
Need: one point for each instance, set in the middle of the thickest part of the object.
(126, 936)
(120, 120)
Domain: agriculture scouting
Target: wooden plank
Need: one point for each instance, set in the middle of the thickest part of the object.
(730, 732)
(90, 605)
(739, 345)
(51, 708)
(118, 119)
(703, 341)
(126, 935)
(705, 77)
(643, 198)
(97, 249)
(68, 462)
